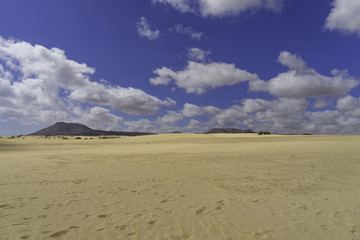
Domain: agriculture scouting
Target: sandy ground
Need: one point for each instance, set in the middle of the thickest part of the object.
(181, 186)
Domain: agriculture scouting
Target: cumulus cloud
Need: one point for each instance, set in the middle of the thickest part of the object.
(289, 115)
(215, 8)
(325, 117)
(282, 107)
(281, 115)
(41, 85)
(322, 102)
(230, 117)
(211, 110)
(349, 106)
(182, 6)
(48, 65)
(344, 16)
(200, 77)
(255, 105)
(188, 31)
(170, 118)
(100, 118)
(191, 110)
(144, 29)
(348, 103)
(293, 62)
(142, 125)
(233, 7)
(198, 55)
(335, 122)
(258, 85)
(129, 100)
(301, 81)
(194, 124)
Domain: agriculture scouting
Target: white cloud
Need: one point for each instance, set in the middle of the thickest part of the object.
(196, 126)
(325, 117)
(348, 103)
(291, 84)
(50, 65)
(255, 105)
(188, 31)
(216, 8)
(301, 81)
(193, 124)
(344, 16)
(349, 106)
(100, 118)
(182, 6)
(142, 125)
(321, 102)
(144, 29)
(233, 7)
(293, 62)
(40, 85)
(211, 110)
(170, 118)
(198, 55)
(129, 100)
(285, 115)
(345, 121)
(258, 85)
(200, 77)
(282, 115)
(191, 110)
(230, 117)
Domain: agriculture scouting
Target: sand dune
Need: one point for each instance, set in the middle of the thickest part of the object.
(181, 186)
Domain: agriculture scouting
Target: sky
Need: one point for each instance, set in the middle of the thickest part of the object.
(285, 66)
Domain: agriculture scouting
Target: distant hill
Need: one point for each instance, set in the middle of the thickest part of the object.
(77, 129)
(229, 130)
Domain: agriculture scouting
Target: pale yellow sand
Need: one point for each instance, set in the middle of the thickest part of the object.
(181, 186)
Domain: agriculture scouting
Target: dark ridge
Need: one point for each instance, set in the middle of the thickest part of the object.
(77, 129)
(229, 130)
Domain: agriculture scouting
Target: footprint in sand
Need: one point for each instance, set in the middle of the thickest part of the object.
(200, 211)
(356, 231)
(221, 205)
(152, 222)
(326, 227)
(261, 235)
(123, 227)
(138, 215)
(58, 234)
(344, 215)
(63, 232)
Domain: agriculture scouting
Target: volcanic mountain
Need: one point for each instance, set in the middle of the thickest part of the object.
(77, 129)
(229, 130)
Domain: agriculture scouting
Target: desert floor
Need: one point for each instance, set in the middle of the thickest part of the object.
(180, 186)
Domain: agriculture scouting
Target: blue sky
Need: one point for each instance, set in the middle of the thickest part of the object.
(286, 66)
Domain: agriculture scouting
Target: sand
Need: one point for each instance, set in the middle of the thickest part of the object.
(180, 186)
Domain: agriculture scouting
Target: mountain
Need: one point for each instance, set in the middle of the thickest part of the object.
(229, 130)
(77, 129)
